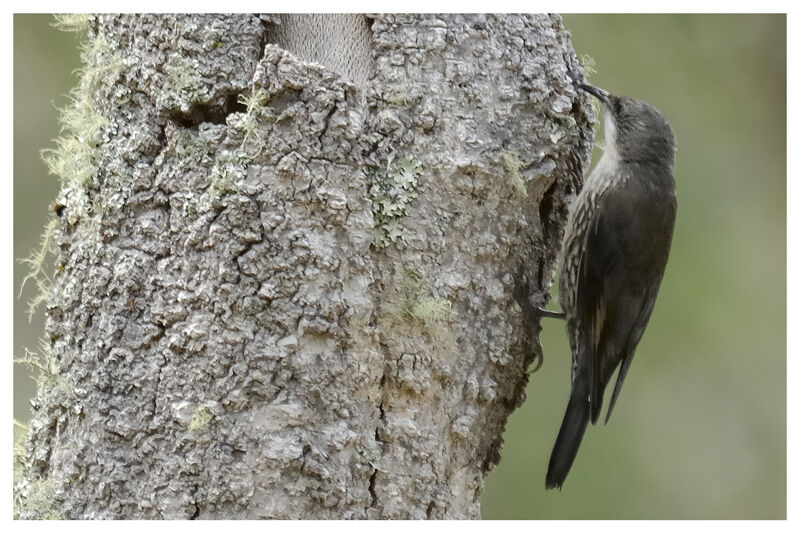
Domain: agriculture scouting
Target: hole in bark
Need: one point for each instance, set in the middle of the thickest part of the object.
(372, 488)
(546, 211)
(162, 134)
(262, 42)
(215, 114)
(540, 274)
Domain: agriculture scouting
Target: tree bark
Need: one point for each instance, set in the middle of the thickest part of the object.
(297, 263)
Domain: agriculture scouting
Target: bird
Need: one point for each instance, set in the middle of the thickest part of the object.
(613, 257)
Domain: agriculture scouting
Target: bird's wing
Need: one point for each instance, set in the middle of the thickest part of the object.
(621, 268)
(591, 309)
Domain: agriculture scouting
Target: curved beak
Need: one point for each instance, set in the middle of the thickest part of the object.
(600, 94)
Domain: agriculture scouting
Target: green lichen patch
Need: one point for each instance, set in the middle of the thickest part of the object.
(19, 451)
(229, 169)
(201, 418)
(183, 79)
(589, 65)
(230, 166)
(36, 265)
(190, 147)
(100, 64)
(430, 310)
(398, 95)
(392, 191)
(76, 156)
(37, 500)
(512, 164)
(415, 302)
(44, 368)
(72, 22)
(254, 104)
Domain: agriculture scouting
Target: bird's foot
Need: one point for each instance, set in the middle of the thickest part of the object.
(541, 312)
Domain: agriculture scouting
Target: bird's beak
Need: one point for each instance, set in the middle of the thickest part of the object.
(600, 94)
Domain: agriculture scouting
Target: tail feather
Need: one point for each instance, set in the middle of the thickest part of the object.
(569, 437)
(623, 370)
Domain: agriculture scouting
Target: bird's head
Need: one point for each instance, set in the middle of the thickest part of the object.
(634, 130)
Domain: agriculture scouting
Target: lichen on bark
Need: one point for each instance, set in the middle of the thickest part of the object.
(245, 332)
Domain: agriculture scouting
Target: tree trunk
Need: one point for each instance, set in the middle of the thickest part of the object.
(296, 262)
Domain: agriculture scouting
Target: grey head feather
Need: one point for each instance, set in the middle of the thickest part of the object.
(643, 135)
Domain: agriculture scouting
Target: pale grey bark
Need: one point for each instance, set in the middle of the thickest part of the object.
(307, 305)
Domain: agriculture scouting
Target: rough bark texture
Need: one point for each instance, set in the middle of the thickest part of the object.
(299, 290)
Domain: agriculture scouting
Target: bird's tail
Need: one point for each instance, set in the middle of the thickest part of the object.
(570, 436)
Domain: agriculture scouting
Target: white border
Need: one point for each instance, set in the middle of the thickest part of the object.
(793, 222)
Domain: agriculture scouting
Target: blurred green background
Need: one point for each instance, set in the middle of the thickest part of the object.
(44, 61)
(700, 428)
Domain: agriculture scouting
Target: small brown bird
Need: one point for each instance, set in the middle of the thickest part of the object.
(613, 258)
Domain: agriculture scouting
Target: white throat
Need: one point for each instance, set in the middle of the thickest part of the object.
(610, 137)
(606, 169)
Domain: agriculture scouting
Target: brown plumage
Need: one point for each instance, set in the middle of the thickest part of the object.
(613, 258)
